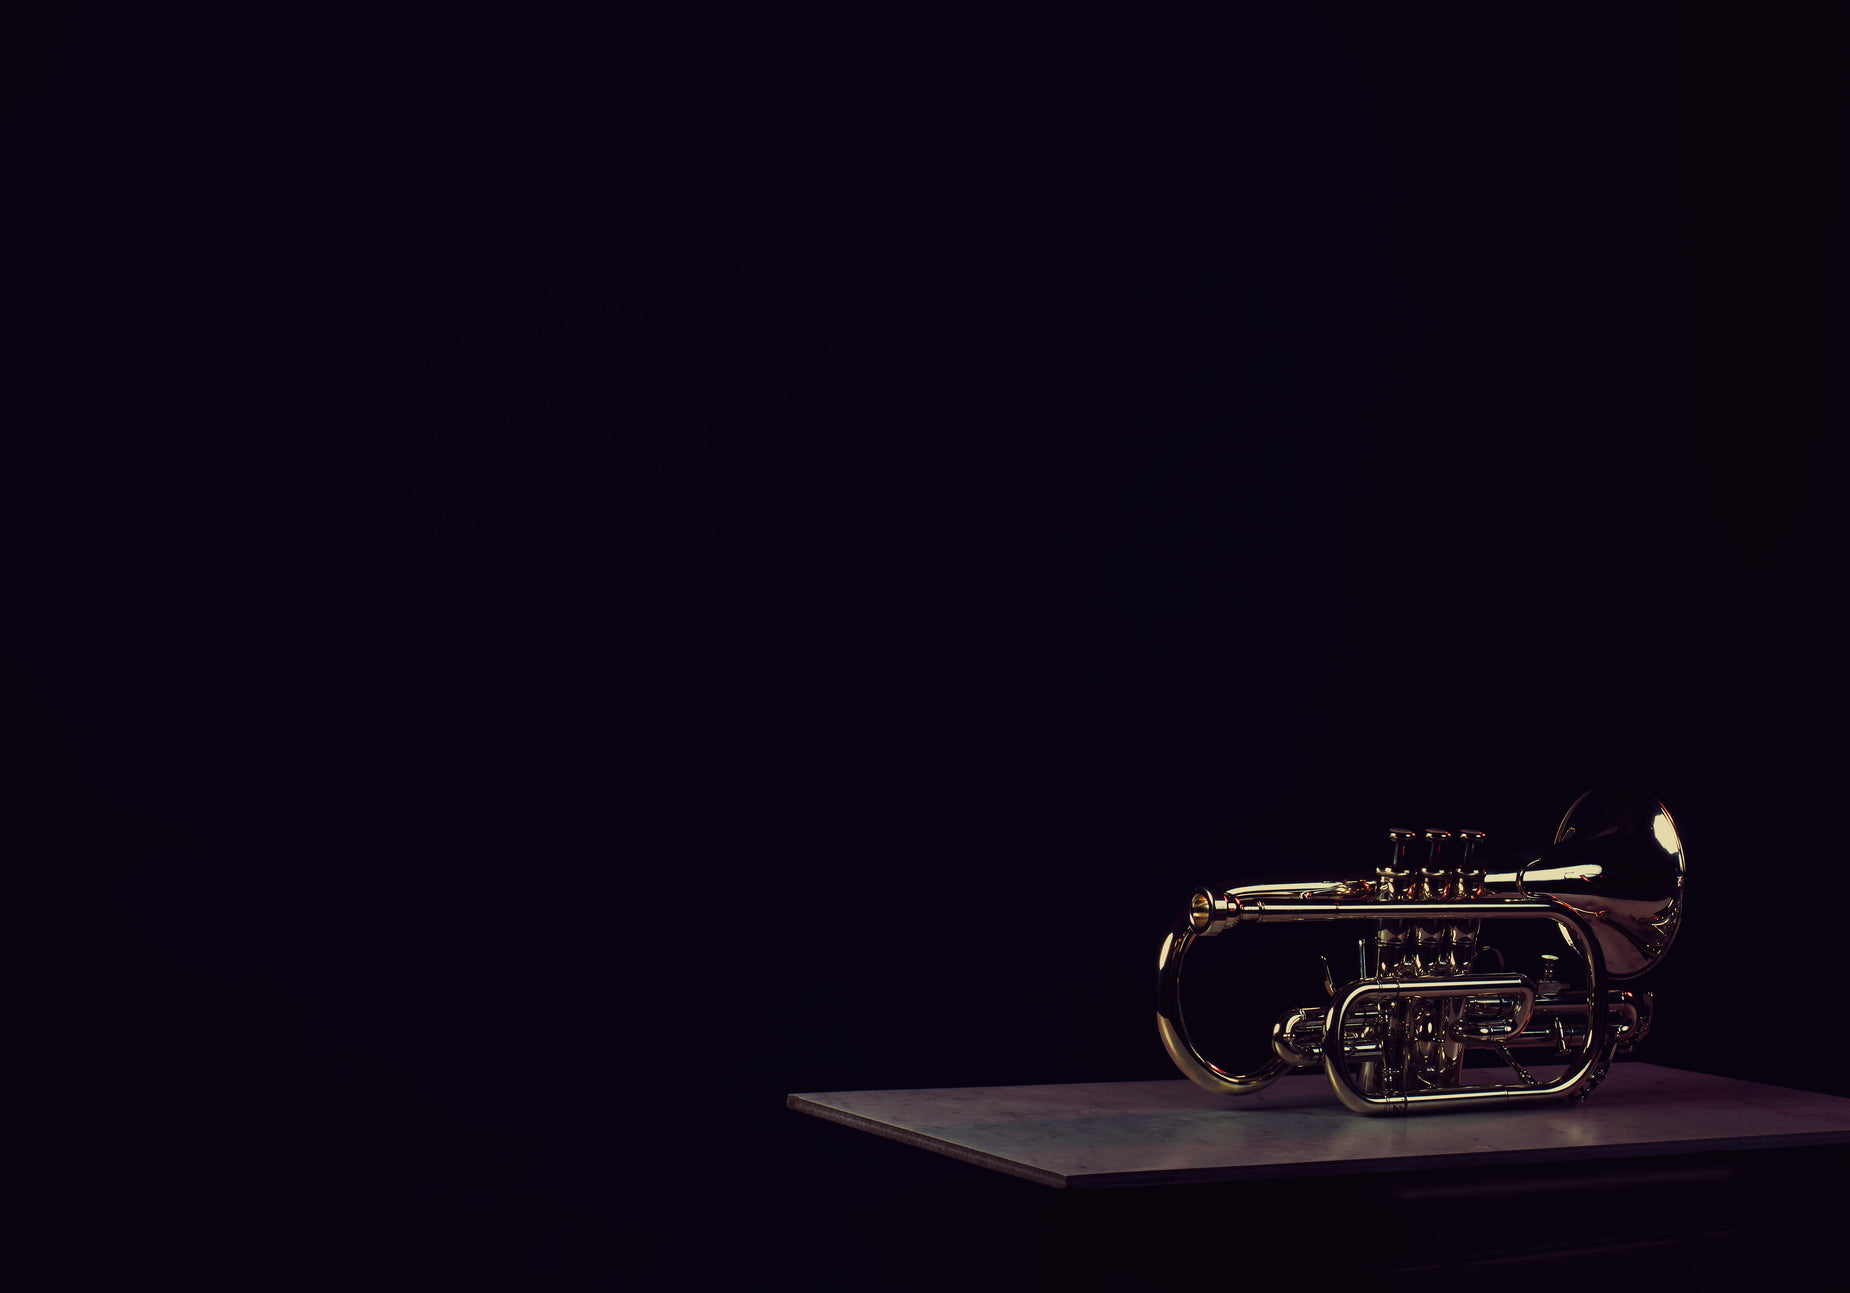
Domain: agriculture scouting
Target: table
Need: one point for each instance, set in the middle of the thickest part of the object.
(1660, 1175)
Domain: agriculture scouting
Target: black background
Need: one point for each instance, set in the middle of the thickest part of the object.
(578, 578)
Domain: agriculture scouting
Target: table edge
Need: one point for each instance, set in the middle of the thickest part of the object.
(1451, 1162)
(886, 1131)
(1287, 1171)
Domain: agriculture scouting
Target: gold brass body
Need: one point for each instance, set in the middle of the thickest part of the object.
(1394, 1040)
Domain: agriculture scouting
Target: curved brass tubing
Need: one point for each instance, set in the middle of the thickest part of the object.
(1596, 1053)
(1614, 887)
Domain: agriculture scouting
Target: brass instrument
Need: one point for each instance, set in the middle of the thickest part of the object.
(1394, 1040)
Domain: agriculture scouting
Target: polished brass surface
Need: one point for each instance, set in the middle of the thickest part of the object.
(1394, 1040)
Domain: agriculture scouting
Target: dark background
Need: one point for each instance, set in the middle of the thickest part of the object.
(576, 579)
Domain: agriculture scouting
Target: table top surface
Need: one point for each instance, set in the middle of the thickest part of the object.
(1109, 1134)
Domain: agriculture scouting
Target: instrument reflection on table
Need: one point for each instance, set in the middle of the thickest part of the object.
(1394, 1040)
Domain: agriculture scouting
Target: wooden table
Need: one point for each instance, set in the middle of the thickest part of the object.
(1677, 1179)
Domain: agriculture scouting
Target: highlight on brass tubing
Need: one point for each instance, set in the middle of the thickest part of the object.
(1394, 1040)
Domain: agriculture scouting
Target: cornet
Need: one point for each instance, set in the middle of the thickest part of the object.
(1394, 1040)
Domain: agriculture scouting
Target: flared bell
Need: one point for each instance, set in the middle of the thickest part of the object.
(1617, 861)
